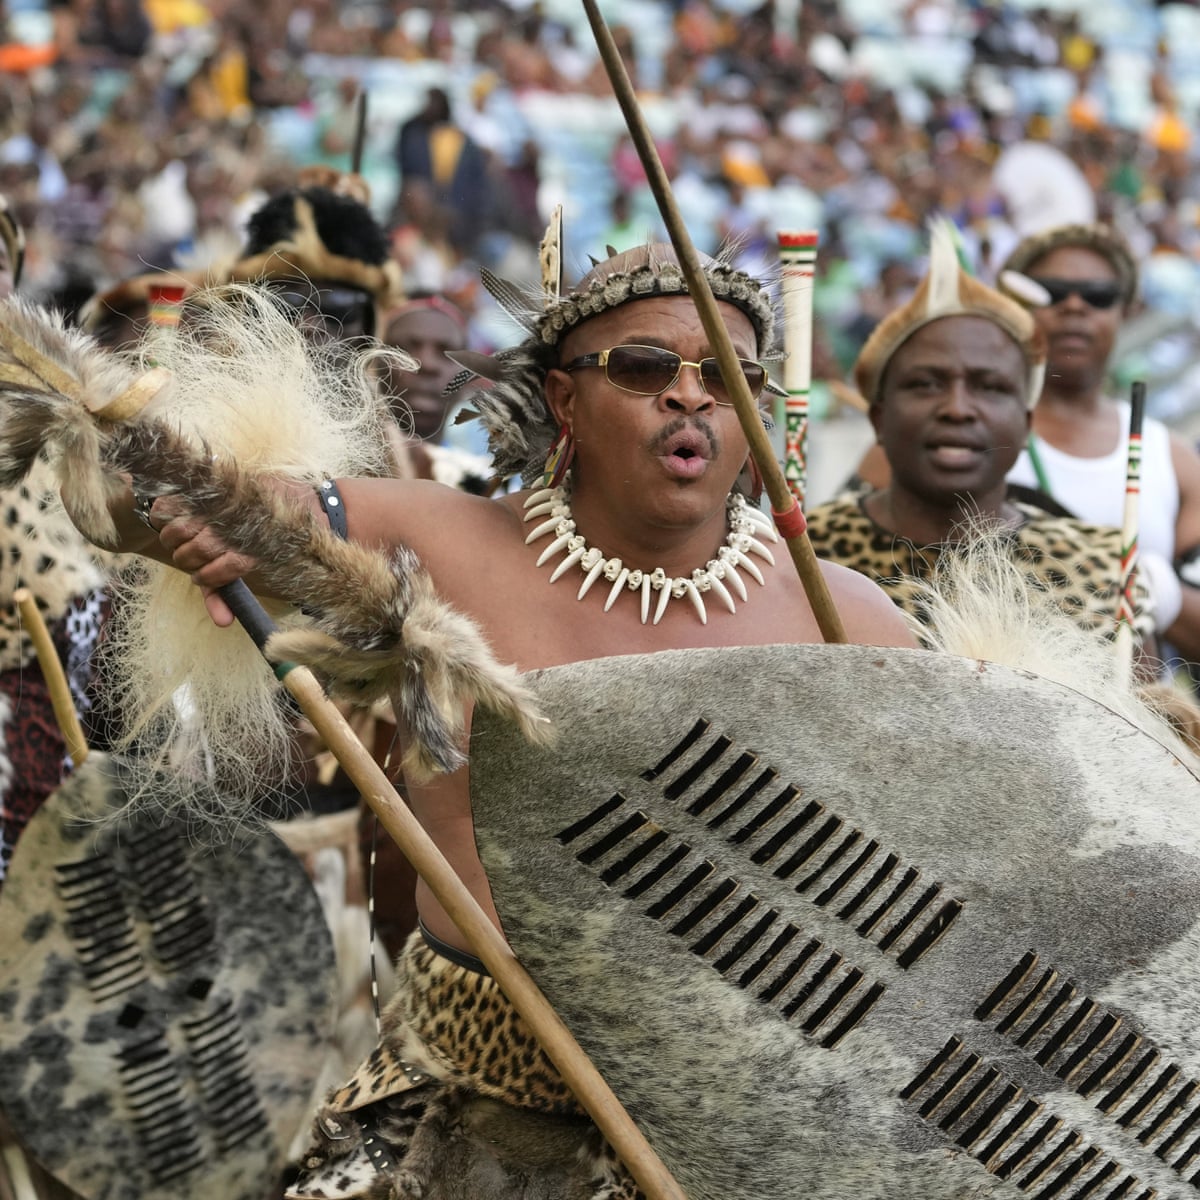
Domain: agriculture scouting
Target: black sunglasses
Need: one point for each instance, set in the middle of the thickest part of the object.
(1096, 293)
(650, 370)
(337, 308)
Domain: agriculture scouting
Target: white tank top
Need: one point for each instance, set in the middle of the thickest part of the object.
(1093, 489)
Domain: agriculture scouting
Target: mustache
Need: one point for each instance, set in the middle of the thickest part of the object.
(696, 422)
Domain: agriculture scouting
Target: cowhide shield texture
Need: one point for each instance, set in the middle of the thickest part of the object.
(165, 1006)
(842, 922)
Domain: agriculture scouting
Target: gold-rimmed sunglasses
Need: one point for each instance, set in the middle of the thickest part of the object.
(650, 370)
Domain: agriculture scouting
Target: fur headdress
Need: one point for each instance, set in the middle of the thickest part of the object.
(126, 299)
(321, 232)
(1101, 239)
(14, 240)
(949, 291)
(325, 235)
(514, 410)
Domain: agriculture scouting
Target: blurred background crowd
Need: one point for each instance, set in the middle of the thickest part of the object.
(140, 133)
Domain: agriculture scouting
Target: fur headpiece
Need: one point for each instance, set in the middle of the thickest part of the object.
(125, 299)
(949, 291)
(514, 410)
(325, 236)
(320, 231)
(1101, 239)
(14, 240)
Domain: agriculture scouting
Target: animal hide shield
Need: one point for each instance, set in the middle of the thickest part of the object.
(164, 1007)
(841, 921)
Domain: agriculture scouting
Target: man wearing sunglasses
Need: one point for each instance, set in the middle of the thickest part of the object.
(630, 538)
(952, 378)
(1077, 448)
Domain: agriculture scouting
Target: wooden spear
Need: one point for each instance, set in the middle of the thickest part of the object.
(485, 940)
(464, 910)
(788, 517)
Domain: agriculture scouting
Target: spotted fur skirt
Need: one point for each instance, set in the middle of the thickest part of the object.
(457, 1102)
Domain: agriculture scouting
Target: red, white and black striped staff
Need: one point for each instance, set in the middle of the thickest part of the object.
(797, 256)
(1129, 527)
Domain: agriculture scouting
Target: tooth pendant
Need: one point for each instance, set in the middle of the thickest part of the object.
(749, 532)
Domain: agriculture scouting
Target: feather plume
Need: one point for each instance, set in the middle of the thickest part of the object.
(980, 605)
(379, 629)
(550, 257)
(510, 298)
(944, 266)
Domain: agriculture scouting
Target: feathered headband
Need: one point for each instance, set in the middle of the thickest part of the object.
(949, 291)
(514, 410)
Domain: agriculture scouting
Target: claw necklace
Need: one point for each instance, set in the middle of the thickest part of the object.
(749, 529)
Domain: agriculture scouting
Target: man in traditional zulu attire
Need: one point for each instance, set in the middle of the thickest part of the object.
(1074, 462)
(831, 919)
(951, 379)
(432, 329)
(615, 404)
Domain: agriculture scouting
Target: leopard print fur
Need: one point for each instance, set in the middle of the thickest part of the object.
(471, 1034)
(40, 549)
(457, 1080)
(1075, 563)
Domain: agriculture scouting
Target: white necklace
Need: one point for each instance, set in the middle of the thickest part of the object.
(747, 525)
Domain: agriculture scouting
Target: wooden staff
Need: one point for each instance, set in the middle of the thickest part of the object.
(797, 256)
(463, 909)
(485, 940)
(54, 675)
(787, 513)
(1126, 613)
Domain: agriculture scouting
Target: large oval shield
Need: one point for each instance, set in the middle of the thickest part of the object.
(841, 921)
(164, 1005)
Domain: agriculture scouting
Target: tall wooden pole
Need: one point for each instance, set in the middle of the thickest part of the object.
(784, 508)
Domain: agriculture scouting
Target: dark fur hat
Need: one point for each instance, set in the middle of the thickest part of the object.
(323, 236)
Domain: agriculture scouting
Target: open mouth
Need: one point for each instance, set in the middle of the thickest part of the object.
(686, 453)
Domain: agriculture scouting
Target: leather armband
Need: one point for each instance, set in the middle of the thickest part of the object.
(334, 508)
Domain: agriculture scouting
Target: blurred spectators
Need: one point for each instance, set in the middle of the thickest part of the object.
(141, 134)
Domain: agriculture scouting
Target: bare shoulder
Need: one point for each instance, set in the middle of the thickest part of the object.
(869, 616)
(422, 515)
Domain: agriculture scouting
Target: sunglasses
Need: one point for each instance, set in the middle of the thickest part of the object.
(1095, 293)
(337, 309)
(650, 370)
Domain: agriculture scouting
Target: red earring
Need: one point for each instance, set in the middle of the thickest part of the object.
(558, 461)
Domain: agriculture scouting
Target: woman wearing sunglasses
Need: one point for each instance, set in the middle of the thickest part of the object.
(1077, 449)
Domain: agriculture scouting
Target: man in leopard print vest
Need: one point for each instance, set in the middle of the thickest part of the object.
(951, 380)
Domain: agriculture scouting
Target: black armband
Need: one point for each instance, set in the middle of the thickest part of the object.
(334, 508)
